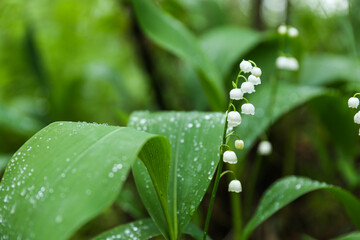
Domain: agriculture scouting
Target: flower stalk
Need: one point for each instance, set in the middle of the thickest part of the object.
(233, 119)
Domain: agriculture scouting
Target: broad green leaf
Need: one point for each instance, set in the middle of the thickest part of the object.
(225, 45)
(172, 35)
(290, 188)
(350, 236)
(324, 69)
(287, 98)
(195, 138)
(142, 230)
(69, 172)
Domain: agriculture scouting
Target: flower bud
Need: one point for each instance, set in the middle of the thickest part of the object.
(236, 94)
(357, 118)
(247, 87)
(239, 144)
(246, 66)
(353, 102)
(235, 186)
(256, 72)
(230, 157)
(264, 148)
(248, 108)
(254, 80)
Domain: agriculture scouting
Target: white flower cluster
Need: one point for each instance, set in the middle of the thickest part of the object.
(287, 63)
(353, 102)
(234, 117)
(290, 31)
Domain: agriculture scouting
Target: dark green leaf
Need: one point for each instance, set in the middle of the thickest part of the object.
(288, 189)
(141, 230)
(173, 36)
(225, 45)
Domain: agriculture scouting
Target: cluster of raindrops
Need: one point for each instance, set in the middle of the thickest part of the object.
(286, 61)
(353, 102)
(133, 231)
(234, 117)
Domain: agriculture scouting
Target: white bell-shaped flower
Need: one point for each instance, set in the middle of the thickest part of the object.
(254, 80)
(230, 157)
(234, 119)
(264, 148)
(256, 72)
(281, 62)
(246, 66)
(287, 63)
(293, 64)
(282, 29)
(235, 186)
(236, 94)
(293, 32)
(353, 102)
(239, 144)
(248, 108)
(247, 87)
(357, 118)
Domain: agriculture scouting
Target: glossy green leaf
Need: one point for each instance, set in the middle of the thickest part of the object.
(70, 163)
(287, 97)
(290, 188)
(225, 45)
(142, 230)
(195, 139)
(324, 69)
(172, 35)
(195, 232)
(350, 236)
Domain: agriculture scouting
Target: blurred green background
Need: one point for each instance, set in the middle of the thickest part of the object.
(97, 61)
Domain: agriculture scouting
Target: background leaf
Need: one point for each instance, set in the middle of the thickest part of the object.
(142, 230)
(326, 69)
(288, 189)
(269, 108)
(70, 163)
(195, 138)
(351, 236)
(174, 37)
(225, 45)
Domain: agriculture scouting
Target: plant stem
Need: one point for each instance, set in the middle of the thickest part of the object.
(217, 179)
(252, 184)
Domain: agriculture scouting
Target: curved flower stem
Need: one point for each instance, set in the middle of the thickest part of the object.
(356, 94)
(221, 146)
(233, 134)
(247, 101)
(252, 63)
(228, 171)
(217, 178)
